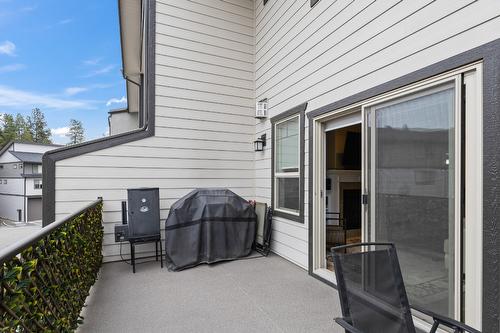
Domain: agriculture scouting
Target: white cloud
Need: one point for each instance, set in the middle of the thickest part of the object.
(65, 21)
(92, 62)
(15, 12)
(102, 85)
(12, 68)
(25, 99)
(71, 91)
(59, 135)
(60, 132)
(28, 8)
(116, 101)
(8, 48)
(74, 90)
(100, 71)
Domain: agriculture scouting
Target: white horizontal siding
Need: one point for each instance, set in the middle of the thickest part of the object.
(14, 186)
(201, 75)
(9, 204)
(204, 119)
(112, 195)
(338, 48)
(30, 187)
(215, 58)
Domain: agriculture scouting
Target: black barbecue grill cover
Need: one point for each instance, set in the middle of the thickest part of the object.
(207, 226)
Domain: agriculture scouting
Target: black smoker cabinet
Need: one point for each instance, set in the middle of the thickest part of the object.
(144, 220)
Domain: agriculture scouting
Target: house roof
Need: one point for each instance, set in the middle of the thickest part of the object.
(7, 146)
(122, 110)
(28, 157)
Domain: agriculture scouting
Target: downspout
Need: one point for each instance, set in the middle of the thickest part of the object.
(145, 131)
(142, 109)
(25, 201)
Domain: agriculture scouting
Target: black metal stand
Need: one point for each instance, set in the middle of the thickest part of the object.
(143, 240)
(265, 247)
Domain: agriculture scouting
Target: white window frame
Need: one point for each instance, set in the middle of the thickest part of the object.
(278, 175)
(39, 183)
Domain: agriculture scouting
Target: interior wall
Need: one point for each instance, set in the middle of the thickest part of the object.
(335, 144)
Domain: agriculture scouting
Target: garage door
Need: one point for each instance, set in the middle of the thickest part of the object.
(34, 209)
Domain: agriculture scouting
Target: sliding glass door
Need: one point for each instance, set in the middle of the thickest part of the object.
(412, 151)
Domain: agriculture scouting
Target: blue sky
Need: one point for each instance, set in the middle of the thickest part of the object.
(64, 57)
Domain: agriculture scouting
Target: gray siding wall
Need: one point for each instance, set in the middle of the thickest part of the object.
(338, 48)
(9, 171)
(204, 118)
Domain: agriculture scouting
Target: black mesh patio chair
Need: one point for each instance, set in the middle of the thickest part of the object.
(372, 292)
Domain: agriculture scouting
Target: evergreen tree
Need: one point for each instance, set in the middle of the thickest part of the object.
(76, 132)
(9, 132)
(30, 129)
(38, 127)
(23, 131)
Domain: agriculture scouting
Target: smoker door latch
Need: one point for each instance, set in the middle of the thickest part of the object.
(364, 199)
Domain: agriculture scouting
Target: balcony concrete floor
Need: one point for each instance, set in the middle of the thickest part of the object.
(256, 295)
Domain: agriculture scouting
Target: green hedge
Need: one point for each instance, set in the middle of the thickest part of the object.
(44, 288)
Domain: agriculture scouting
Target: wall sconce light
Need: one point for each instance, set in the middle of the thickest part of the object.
(260, 143)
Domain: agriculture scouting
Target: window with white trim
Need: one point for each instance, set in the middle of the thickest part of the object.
(38, 184)
(287, 165)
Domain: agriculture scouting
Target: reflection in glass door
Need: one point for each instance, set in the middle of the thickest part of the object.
(411, 161)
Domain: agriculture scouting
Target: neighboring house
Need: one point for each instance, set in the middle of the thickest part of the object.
(21, 181)
(122, 120)
(383, 125)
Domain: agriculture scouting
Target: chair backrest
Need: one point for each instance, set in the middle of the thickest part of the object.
(372, 293)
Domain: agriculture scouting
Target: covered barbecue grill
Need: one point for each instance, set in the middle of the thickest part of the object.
(207, 226)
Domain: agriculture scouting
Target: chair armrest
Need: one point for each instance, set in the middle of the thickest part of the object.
(448, 322)
(348, 327)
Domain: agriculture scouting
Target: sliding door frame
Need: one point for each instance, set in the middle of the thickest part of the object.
(369, 172)
(319, 188)
(474, 212)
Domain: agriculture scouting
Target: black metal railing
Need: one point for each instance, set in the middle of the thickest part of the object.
(45, 278)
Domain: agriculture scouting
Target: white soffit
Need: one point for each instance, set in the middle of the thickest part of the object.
(131, 37)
